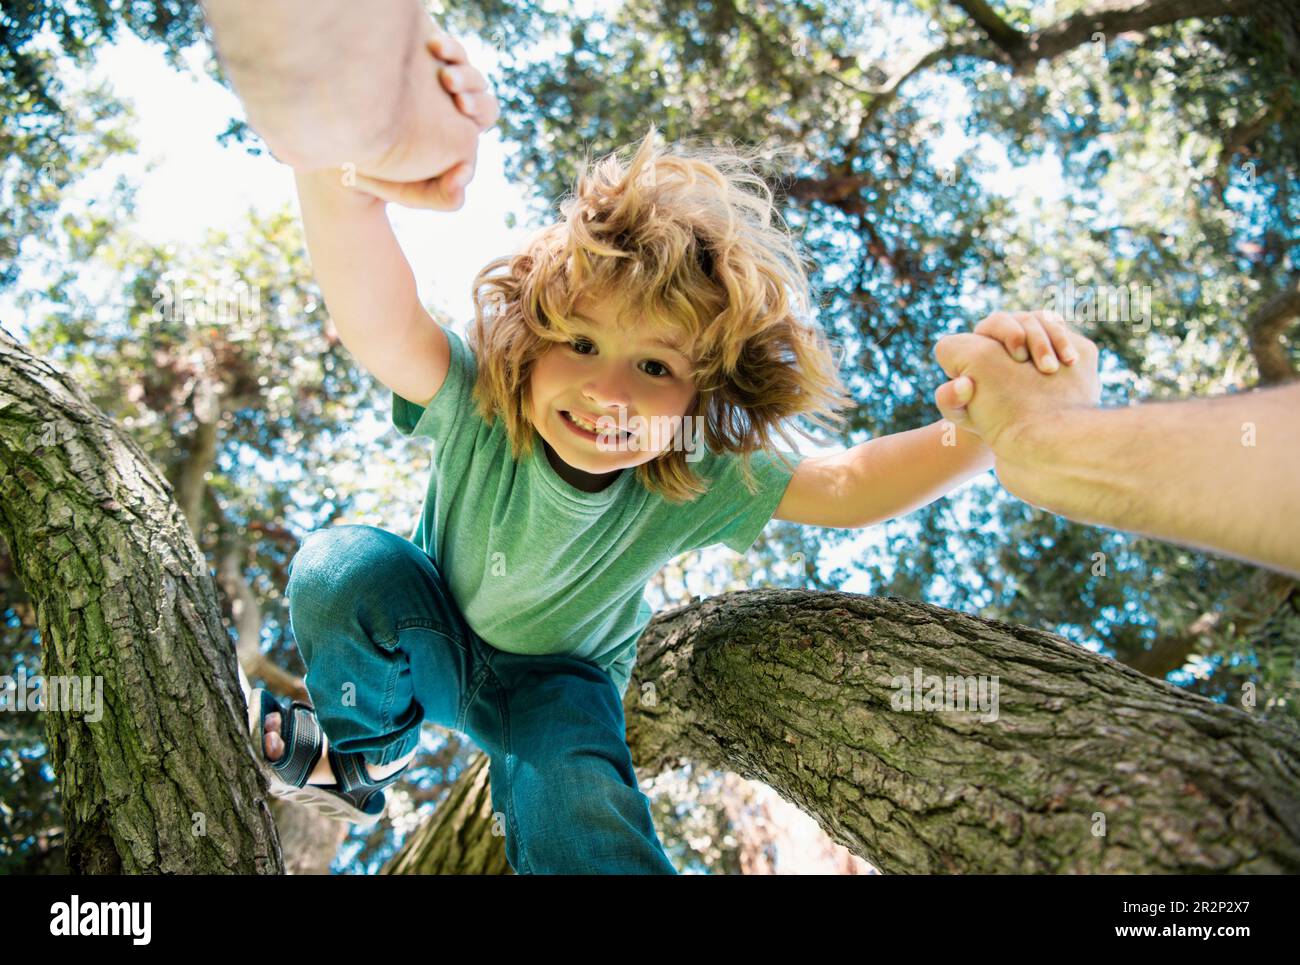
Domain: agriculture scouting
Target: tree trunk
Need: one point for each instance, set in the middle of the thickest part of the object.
(164, 781)
(462, 837)
(309, 840)
(1087, 765)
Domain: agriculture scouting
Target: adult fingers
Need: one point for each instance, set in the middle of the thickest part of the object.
(1085, 347)
(1088, 364)
(470, 90)
(462, 77)
(480, 107)
(487, 110)
(1040, 346)
(1004, 327)
(1059, 333)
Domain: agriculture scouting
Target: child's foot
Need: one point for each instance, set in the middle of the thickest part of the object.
(323, 773)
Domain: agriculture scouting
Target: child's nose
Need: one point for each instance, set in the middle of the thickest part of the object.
(603, 395)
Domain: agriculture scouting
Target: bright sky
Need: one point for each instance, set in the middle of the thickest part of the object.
(198, 184)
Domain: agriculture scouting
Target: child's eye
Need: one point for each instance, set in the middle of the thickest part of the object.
(667, 372)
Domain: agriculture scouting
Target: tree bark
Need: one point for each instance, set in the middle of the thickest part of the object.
(164, 781)
(1089, 766)
(463, 837)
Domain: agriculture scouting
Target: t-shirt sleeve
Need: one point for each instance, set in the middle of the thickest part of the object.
(450, 405)
(728, 513)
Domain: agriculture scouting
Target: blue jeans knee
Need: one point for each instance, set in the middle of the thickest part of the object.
(380, 635)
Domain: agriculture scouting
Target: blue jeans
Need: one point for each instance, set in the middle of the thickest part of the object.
(386, 648)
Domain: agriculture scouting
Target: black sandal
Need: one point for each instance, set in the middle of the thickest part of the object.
(356, 798)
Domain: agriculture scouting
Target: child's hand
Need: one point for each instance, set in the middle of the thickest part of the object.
(469, 90)
(1042, 335)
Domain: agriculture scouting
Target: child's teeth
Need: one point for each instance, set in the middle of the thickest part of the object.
(583, 425)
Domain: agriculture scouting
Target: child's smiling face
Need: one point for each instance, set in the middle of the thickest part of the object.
(608, 370)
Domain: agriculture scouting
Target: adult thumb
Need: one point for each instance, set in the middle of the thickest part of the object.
(955, 353)
(443, 193)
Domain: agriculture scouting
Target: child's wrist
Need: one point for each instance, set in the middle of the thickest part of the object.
(331, 184)
(975, 444)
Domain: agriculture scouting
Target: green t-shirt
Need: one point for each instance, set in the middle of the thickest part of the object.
(540, 567)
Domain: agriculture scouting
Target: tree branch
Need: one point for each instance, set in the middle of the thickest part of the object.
(1088, 767)
(246, 611)
(1021, 52)
(1264, 329)
(1249, 608)
(1111, 17)
(1007, 37)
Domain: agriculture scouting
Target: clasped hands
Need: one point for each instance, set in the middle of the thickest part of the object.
(432, 157)
(995, 397)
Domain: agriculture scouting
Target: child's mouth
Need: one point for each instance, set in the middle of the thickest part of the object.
(585, 433)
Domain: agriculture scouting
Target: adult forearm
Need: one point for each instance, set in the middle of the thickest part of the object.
(323, 81)
(1218, 474)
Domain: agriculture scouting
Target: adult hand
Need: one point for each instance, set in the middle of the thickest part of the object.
(336, 83)
(1214, 474)
(469, 89)
(993, 395)
(436, 132)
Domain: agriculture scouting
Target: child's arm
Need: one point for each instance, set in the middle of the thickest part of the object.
(883, 478)
(894, 475)
(369, 288)
(366, 281)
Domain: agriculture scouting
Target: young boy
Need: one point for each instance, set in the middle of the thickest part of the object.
(666, 311)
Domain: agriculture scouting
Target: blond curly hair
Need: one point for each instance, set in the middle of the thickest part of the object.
(687, 236)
